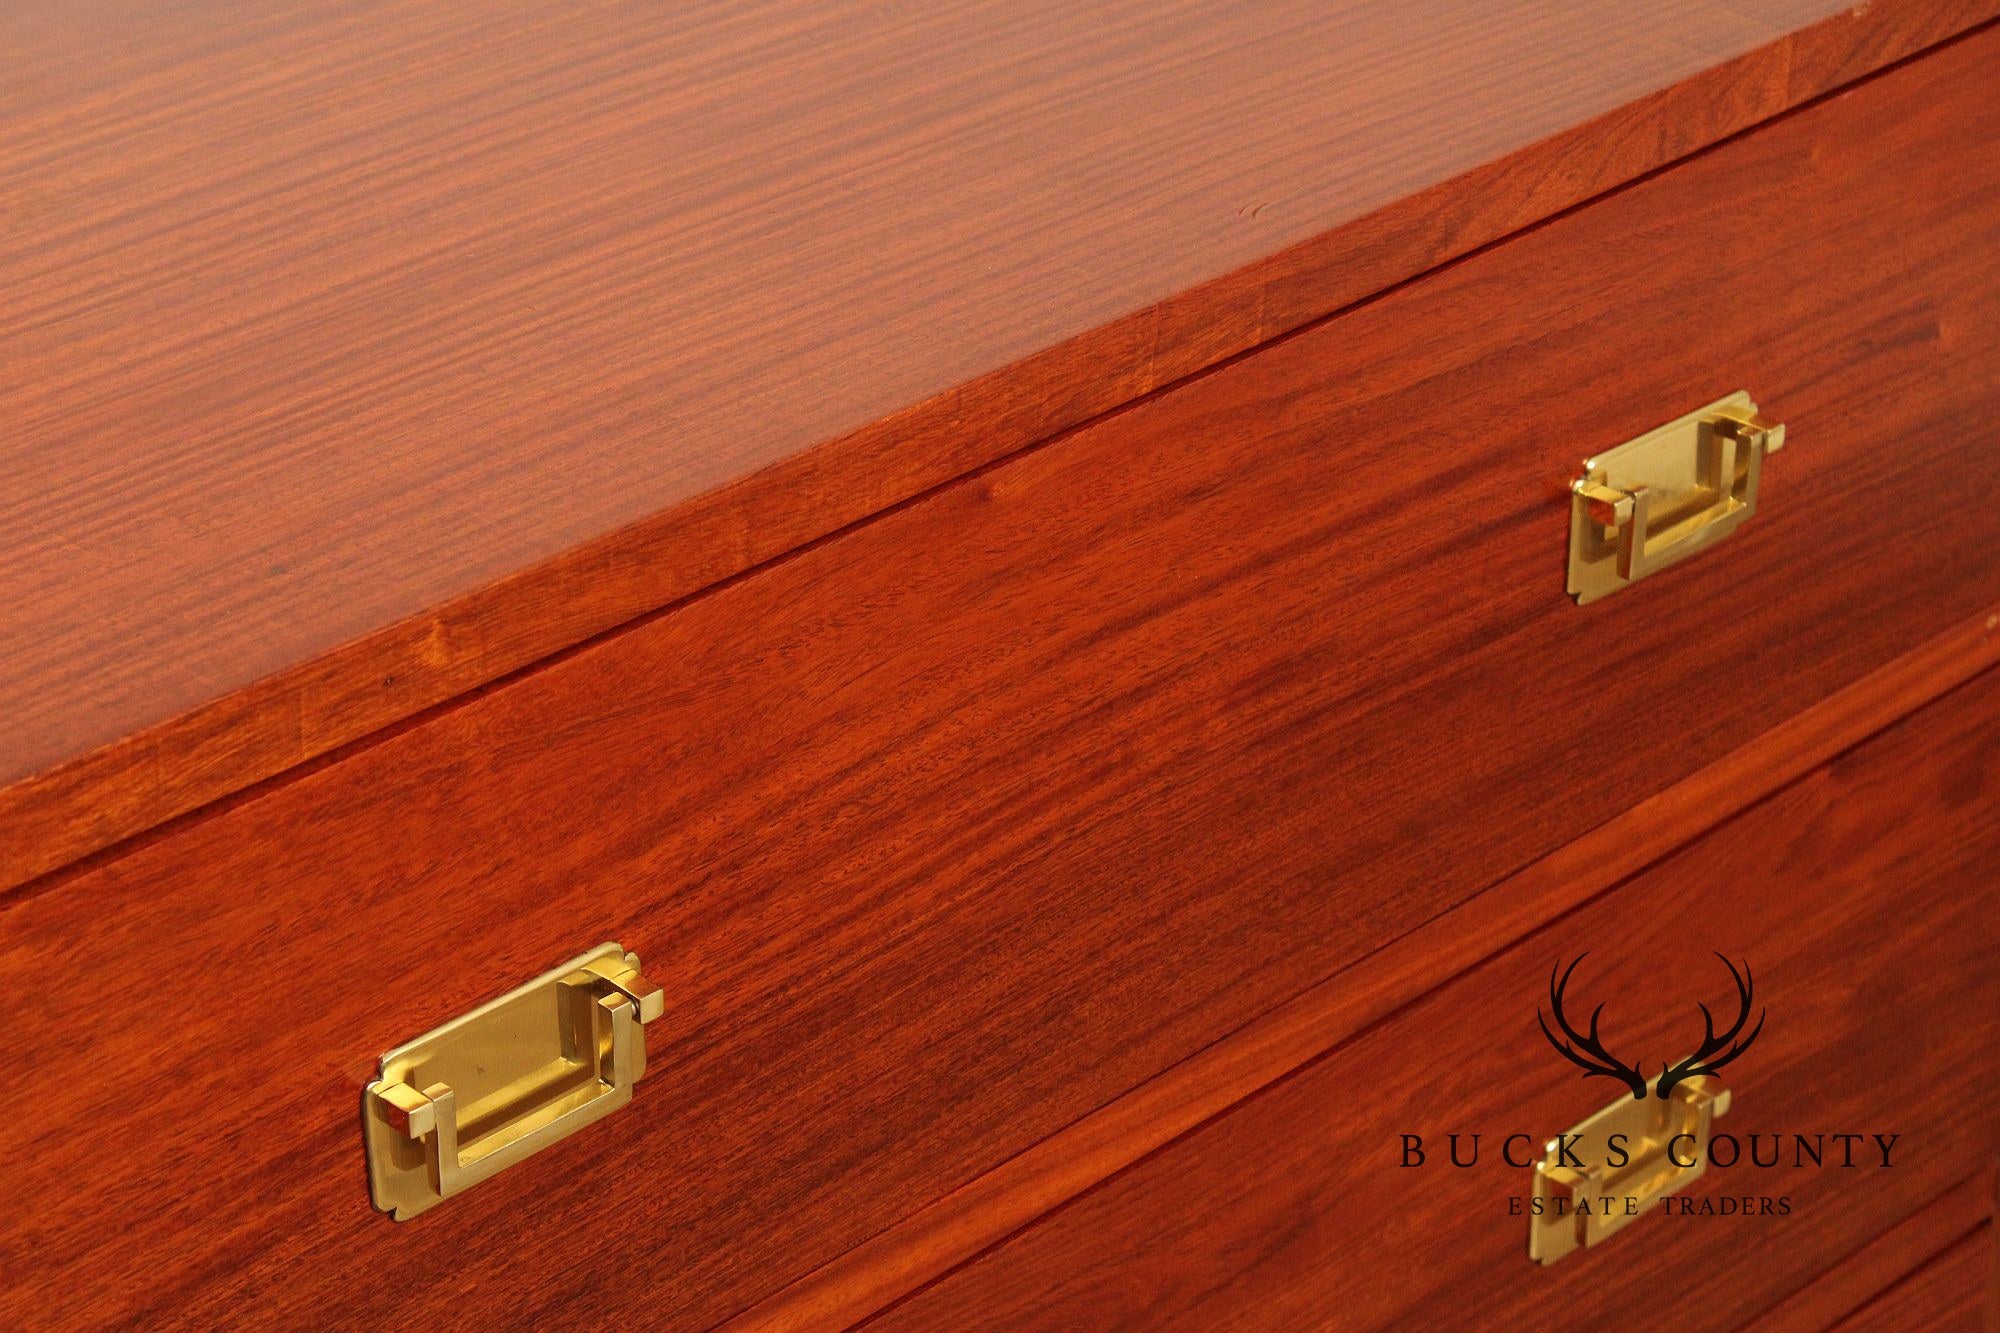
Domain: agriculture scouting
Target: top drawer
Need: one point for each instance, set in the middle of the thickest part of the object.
(946, 831)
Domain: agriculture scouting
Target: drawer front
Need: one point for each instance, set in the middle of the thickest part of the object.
(1865, 899)
(1169, 718)
(1957, 1292)
(1910, 1254)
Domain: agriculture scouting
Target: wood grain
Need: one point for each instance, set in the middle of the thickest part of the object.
(1864, 898)
(982, 1213)
(1935, 1227)
(354, 354)
(1951, 1294)
(953, 829)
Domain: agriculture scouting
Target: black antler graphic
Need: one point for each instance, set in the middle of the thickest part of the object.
(1712, 1056)
(1603, 1064)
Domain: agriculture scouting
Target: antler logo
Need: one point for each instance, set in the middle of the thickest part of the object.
(1586, 1050)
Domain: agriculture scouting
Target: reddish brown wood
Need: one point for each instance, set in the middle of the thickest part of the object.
(1935, 1227)
(953, 829)
(359, 355)
(1865, 899)
(1951, 1294)
(984, 1212)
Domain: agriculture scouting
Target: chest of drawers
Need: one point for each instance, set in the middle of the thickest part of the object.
(1021, 560)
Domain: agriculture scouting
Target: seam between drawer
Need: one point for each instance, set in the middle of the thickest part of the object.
(1929, 1263)
(1976, 1182)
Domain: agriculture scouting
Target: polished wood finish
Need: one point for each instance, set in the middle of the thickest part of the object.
(917, 821)
(1863, 896)
(358, 356)
(1954, 1293)
(1887, 1260)
(984, 1212)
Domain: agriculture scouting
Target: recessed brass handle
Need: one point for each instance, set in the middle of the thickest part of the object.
(485, 1091)
(1614, 1167)
(1666, 495)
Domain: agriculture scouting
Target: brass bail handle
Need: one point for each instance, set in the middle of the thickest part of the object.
(521, 1081)
(1666, 1149)
(1667, 495)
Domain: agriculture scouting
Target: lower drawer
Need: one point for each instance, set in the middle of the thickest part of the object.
(1866, 900)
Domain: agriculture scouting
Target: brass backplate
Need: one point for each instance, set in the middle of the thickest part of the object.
(1670, 493)
(492, 1087)
(1619, 1164)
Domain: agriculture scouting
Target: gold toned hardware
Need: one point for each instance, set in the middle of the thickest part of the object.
(1664, 1147)
(484, 1091)
(1670, 493)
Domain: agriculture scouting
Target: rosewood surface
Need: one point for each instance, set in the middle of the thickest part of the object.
(1956, 1292)
(982, 1213)
(1863, 896)
(354, 354)
(1889, 1259)
(1270, 666)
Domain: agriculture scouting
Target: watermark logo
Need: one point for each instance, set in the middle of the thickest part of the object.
(1658, 1137)
(1586, 1050)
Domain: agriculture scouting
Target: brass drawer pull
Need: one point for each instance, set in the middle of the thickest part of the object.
(1614, 1167)
(487, 1090)
(1660, 498)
